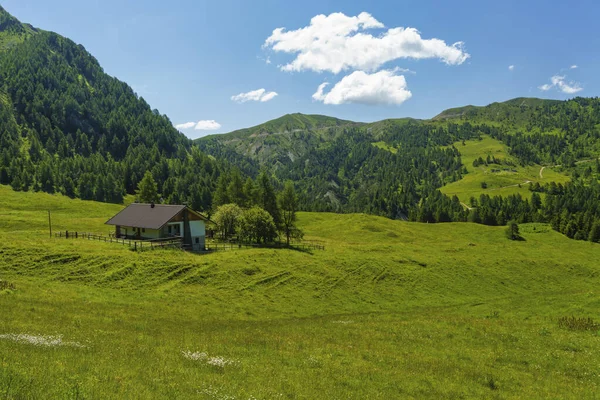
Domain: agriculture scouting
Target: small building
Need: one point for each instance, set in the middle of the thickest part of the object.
(161, 221)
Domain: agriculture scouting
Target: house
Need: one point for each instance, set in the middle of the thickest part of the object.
(161, 221)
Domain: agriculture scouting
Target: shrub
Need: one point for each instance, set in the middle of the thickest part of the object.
(5, 285)
(226, 217)
(512, 231)
(578, 324)
(257, 225)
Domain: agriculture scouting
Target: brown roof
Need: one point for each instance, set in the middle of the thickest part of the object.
(140, 215)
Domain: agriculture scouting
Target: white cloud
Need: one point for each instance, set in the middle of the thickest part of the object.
(573, 66)
(204, 125)
(186, 125)
(559, 82)
(383, 87)
(338, 42)
(255, 95)
(268, 60)
(268, 96)
(405, 70)
(207, 125)
(511, 67)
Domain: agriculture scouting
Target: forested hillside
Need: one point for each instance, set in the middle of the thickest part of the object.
(66, 126)
(395, 168)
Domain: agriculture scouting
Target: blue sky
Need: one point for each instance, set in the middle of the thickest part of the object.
(189, 58)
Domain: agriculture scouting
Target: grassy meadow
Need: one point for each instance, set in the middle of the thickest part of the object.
(502, 183)
(389, 309)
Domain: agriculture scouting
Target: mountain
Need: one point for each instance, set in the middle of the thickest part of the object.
(397, 167)
(66, 126)
(275, 142)
(12, 31)
(289, 123)
(291, 137)
(518, 110)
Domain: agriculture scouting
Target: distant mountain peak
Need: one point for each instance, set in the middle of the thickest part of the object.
(12, 31)
(8, 22)
(491, 110)
(287, 123)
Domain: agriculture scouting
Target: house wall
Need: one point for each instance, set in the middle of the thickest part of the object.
(166, 228)
(197, 228)
(198, 232)
(145, 233)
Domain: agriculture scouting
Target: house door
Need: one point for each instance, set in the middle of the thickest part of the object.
(139, 234)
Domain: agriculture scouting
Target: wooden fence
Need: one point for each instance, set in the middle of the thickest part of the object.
(177, 242)
(303, 246)
(135, 244)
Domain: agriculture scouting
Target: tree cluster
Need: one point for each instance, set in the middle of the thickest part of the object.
(252, 211)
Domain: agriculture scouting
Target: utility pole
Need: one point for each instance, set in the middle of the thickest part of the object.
(50, 224)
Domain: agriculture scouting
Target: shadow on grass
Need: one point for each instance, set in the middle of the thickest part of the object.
(300, 249)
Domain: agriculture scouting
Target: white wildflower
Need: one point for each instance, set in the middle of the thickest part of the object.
(220, 361)
(217, 361)
(47, 341)
(194, 356)
(216, 393)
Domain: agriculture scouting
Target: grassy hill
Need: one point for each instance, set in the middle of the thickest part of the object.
(517, 111)
(335, 164)
(390, 309)
(285, 124)
(499, 179)
(280, 141)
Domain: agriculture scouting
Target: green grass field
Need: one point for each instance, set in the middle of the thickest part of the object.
(502, 183)
(390, 309)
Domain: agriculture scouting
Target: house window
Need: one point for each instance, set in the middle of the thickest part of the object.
(144, 230)
(197, 240)
(169, 228)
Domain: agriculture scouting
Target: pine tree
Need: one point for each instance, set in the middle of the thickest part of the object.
(267, 197)
(536, 201)
(235, 189)
(250, 193)
(147, 189)
(221, 195)
(512, 231)
(288, 203)
(594, 235)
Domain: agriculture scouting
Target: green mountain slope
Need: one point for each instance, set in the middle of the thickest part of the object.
(275, 142)
(520, 110)
(400, 168)
(12, 31)
(69, 127)
(288, 123)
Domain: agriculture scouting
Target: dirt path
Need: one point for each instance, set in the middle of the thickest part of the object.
(504, 187)
(466, 206)
(558, 165)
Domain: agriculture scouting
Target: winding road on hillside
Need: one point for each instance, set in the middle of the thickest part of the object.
(509, 186)
(466, 206)
(558, 165)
